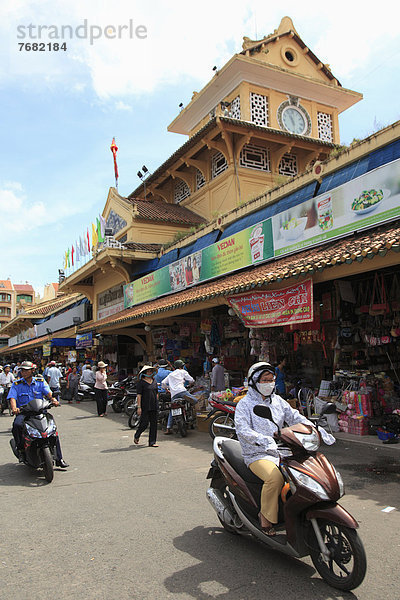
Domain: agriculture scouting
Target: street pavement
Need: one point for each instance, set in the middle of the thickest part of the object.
(132, 522)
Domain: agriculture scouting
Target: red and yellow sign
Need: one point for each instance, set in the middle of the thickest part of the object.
(274, 308)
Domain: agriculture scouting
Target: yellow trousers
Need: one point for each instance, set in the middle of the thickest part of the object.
(273, 482)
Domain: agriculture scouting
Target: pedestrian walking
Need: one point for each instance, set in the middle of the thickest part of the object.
(147, 402)
(72, 385)
(101, 388)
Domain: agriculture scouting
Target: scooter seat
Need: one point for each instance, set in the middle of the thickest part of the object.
(232, 451)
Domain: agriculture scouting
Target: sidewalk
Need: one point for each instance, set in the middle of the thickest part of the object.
(366, 440)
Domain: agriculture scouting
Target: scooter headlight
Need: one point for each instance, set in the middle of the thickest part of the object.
(310, 483)
(32, 431)
(310, 441)
(52, 427)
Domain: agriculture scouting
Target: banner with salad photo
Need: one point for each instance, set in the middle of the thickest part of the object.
(365, 201)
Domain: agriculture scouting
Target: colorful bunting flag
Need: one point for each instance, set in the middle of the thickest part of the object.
(88, 240)
(103, 226)
(95, 241)
(78, 254)
(114, 150)
(72, 255)
(98, 231)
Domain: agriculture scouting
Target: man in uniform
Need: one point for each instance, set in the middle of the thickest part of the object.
(23, 391)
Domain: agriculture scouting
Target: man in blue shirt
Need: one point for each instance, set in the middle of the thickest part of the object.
(162, 373)
(23, 391)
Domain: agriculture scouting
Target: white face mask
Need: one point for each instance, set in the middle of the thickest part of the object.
(266, 389)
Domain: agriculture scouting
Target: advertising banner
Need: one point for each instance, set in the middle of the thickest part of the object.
(84, 340)
(243, 249)
(288, 306)
(46, 349)
(363, 202)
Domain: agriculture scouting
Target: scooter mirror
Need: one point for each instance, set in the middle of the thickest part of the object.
(328, 409)
(263, 411)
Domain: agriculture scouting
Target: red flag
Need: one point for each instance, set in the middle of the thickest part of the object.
(72, 255)
(114, 150)
(88, 239)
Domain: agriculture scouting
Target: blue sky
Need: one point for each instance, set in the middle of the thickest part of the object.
(60, 110)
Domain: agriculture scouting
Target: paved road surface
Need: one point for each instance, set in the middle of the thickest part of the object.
(127, 522)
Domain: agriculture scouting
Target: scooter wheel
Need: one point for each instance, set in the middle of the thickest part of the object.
(48, 465)
(348, 563)
(226, 420)
(181, 427)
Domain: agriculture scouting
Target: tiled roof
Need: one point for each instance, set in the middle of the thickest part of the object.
(25, 345)
(353, 248)
(46, 308)
(24, 287)
(142, 247)
(5, 284)
(156, 210)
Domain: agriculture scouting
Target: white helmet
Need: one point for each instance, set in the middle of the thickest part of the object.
(257, 369)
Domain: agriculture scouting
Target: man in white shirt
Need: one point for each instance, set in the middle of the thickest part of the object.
(53, 378)
(175, 383)
(6, 381)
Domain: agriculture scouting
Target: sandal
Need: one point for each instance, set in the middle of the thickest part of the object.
(267, 529)
(135, 441)
(153, 445)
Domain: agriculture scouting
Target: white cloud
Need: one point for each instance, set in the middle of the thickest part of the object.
(122, 106)
(21, 215)
(184, 40)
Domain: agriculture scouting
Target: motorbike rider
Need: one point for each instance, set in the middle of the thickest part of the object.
(175, 383)
(6, 380)
(163, 372)
(24, 390)
(255, 434)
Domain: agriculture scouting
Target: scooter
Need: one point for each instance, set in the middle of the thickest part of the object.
(222, 418)
(39, 435)
(5, 405)
(311, 522)
(183, 414)
(85, 392)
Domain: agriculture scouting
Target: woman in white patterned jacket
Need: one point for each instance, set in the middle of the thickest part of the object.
(255, 435)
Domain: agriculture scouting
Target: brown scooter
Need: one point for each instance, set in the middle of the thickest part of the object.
(311, 522)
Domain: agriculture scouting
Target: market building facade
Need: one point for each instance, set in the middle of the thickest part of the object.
(259, 237)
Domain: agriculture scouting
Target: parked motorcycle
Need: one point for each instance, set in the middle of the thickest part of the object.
(40, 435)
(222, 418)
(311, 522)
(117, 397)
(85, 391)
(5, 404)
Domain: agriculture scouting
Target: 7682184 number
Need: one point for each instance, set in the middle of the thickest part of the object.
(42, 47)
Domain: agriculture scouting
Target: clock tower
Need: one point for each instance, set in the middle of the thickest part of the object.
(266, 116)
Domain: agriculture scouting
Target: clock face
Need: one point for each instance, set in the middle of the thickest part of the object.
(293, 120)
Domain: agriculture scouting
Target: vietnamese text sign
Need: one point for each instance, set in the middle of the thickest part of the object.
(84, 340)
(273, 308)
(243, 249)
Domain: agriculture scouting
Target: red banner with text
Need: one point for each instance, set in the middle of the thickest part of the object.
(287, 306)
